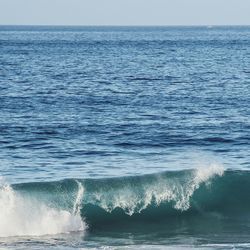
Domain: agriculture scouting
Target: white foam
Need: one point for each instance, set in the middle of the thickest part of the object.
(201, 175)
(134, 199)
(21, 216)
(78, 200)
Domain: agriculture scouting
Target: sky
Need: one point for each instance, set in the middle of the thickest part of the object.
(125, 12)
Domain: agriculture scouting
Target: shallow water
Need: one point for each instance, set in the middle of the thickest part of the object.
(124, 137)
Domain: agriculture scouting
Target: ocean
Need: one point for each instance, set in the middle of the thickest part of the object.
(124, 137)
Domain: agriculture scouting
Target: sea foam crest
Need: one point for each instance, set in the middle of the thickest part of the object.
(133, 198)
(21, 216)
(200, 175)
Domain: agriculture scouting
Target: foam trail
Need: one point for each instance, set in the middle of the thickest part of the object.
(79, 197)
(28, 217)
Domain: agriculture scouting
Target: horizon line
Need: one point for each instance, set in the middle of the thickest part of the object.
(128, 25)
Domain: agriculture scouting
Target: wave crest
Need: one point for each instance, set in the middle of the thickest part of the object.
(136, 195)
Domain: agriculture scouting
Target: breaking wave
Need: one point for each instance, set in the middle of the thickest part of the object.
(22, 216)
(75, 205)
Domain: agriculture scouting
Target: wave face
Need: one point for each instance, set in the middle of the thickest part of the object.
(162, 199)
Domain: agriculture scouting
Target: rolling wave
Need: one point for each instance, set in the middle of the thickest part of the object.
(163, 198)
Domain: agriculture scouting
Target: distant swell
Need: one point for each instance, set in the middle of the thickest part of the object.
(55, 207)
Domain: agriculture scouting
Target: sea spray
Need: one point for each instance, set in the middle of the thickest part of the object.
(136, 195)
(21, 216)
(200, 175)
(78, 199)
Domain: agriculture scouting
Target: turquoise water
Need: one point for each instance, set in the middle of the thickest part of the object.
(124, 137)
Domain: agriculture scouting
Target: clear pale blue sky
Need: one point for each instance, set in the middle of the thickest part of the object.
(125, 12)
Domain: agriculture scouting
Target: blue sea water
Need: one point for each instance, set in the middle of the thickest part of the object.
(124, 137)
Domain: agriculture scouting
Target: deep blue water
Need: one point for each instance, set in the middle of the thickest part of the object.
(103, 106)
